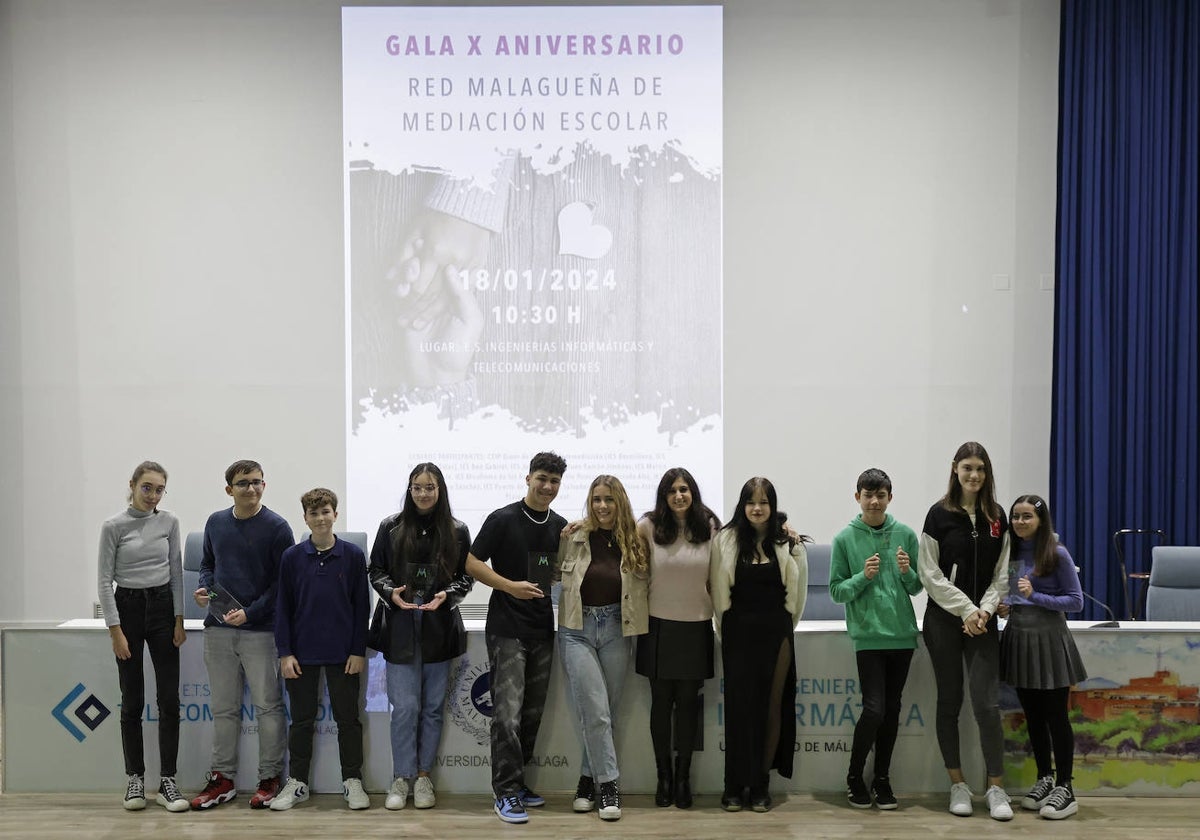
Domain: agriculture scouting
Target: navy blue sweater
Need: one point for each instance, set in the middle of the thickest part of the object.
(242, 555)
(324, 604)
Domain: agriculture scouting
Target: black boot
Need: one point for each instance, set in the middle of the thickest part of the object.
(683, 780)
(664, 794)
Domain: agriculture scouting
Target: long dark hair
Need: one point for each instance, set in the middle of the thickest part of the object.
(987, 496)
(699, 521)
(1045, 543)
(404, 535)
(746, 535)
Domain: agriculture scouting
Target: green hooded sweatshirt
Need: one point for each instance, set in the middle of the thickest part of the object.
(879, 612)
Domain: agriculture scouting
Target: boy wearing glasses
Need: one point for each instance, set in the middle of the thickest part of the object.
(242, 549)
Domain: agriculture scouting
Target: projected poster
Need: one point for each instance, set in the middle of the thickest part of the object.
(533, 228)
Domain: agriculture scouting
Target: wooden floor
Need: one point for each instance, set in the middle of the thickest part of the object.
(97, 817)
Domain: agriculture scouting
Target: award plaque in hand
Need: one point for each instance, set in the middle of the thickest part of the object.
(418, 583)
(541, 569)
(221, 603)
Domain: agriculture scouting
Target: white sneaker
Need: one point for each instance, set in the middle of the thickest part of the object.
(355, 796)
(423, 795)
(294, 792)
(397, 796)
(960, 800)
(998, 803)
(135, 793)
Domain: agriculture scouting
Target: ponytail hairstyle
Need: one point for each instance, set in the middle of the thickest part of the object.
(140, 470)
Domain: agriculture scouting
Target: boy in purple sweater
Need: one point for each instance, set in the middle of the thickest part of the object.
(321, 624)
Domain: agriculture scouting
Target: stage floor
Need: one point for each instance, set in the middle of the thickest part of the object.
(39, 816)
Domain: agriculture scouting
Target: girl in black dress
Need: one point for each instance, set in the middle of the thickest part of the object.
(758, 577)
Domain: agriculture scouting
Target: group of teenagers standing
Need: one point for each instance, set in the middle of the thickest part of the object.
(676, 579)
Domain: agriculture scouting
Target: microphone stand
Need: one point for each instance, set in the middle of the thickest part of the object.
(1112, 622)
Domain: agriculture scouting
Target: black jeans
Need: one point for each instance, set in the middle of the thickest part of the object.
(148, 617)
(954, 653)
(303, 694)
(881, 675)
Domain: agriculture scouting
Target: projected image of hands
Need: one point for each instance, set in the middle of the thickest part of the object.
(433, 309)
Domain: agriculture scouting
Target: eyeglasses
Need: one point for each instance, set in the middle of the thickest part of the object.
(1024, 517)
(423, 489)
(246, 483)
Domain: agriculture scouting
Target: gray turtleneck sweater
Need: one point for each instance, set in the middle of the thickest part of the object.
(139, 550)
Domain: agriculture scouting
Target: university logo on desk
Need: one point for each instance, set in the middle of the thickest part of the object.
(471, 701)
(91, 712)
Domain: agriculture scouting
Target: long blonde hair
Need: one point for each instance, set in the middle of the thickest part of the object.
(635, 555)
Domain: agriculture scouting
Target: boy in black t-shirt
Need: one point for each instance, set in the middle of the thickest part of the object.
(521, 541)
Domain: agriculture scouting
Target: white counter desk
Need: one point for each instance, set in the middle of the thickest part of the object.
(61, 719)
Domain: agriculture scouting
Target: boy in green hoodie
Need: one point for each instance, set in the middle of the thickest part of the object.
(874, 573)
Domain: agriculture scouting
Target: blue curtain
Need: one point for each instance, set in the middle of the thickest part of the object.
(1124, 433)
(1123, 441)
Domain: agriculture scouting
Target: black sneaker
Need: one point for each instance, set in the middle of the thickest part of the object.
(169, 796)
(881, 789)
(731, 801)
(1038, 794)
(857, 793)
(530, 799)
(760, 800)
(585, 795)
(610, 801)
(1060, 804)
(135, 793)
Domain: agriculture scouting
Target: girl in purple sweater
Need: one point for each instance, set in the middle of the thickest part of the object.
(1038, 656)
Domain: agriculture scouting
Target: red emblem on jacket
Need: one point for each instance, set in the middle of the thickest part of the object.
(996, 529)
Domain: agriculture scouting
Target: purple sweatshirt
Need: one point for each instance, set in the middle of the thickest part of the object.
(1058, 591)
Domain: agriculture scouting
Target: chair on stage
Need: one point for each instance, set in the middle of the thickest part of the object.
(820, 606)
(1133, 572)
(1174, 590)
(193, 553)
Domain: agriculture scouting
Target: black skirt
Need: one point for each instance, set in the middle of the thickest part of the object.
(1038, 651)
(676, 650)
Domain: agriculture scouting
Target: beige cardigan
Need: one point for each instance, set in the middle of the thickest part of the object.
(722, 564)
(575, 555)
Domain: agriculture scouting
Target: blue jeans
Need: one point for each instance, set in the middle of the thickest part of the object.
(231, 655)
(596, 660)
(417, 693)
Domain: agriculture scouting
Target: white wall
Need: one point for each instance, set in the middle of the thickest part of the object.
(172, 264)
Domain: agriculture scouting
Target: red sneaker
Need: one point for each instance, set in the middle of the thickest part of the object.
(267, 789)
(219, 789)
